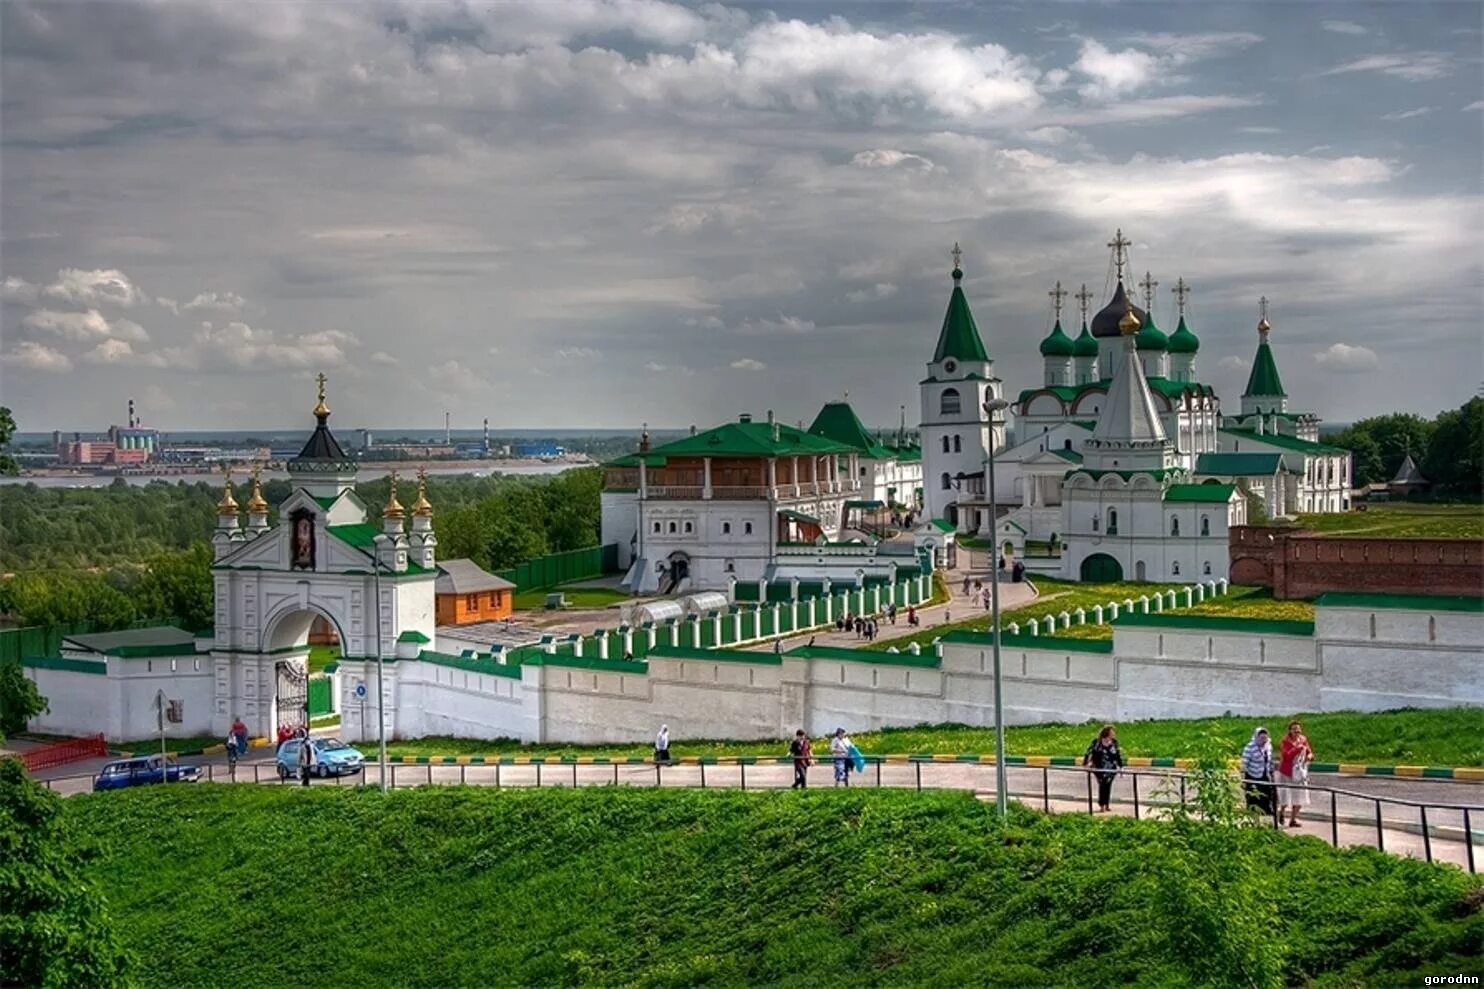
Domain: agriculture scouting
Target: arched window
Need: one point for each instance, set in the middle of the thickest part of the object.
(672, 528)
(689, 528)
(726, 528)
(656, 527)
(1066, 444)
(958, 446)
(949, 404)
(1207, 568)
(947, 481)
(1112, 521)
(746, 528)
(945, 444)
(1205, 525)
(1175, 568)
(1175, 531)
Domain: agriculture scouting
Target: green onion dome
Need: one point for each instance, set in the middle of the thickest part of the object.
(1085, 345)
(1182, 341)
(1150, 336)
(1058, 344)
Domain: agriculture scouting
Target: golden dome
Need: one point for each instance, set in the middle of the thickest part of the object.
(422, 507)
(1129, 324)
(257, 504)
(228, 504)
(1263, 325)
(393, 509)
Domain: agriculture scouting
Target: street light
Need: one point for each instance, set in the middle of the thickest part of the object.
(991, 407)
(379, 540)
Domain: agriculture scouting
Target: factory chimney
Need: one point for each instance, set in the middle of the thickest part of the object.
(486, 437)
(447, 430)
(131, 413)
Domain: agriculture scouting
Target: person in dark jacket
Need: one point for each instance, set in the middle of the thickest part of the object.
(803, 755)
(1105, 760)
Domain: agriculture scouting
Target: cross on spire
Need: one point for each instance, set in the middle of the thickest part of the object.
(1120, 245)
(1148, 285)
(957, 256)
(320, 408)
(1262, 307)
(1057, 294)
(1083, 297)
(1182, 292)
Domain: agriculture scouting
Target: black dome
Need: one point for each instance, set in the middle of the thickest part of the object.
(1105, 323)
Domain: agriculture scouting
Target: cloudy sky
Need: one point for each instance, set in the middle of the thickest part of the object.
(575, 213)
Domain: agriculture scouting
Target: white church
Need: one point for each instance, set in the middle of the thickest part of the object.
(1122, 466)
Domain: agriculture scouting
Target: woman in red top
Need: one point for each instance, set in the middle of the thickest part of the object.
(1294, 757)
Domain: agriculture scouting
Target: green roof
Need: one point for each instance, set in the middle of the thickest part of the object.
(1182, 341)
(959, 336)
(1239, 464)
(789, 513)
(1022, 640)
(1410, 602)
(837, 421)
(1206, 493)
(1086, 345)
(471, 664)
(1150, 336)
(1071, 455)
(746, 438)
(362, 536)
(632, 460)
(1057, 343)
(413, 635)
(943, 525)
(1165, 386)
(1213, 623)
(1264, 378)
(1283, 442)
(325, 502)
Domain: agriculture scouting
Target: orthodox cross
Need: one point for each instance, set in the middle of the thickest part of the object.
(1057, 294)
(1120, 244)
(321, 379)
(1148, 285)
(1182, 292)
(227, 476)
(1084, 297)
(957, 255)
(1262, 307)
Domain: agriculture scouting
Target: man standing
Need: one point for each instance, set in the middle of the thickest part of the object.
(803, 755)
(306, 759)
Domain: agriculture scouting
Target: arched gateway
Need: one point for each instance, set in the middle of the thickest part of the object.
(324, 559)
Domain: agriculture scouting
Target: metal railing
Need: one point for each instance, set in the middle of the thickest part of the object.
(1162, 789)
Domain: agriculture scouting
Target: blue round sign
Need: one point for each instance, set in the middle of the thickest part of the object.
(360, 690)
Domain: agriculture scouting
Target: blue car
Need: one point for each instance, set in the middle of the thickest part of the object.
(332, 757)
(143, 771)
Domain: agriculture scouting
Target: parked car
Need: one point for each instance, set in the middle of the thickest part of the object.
(144, 770)
(332, 757)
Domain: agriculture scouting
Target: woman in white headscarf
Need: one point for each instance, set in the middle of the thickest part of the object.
(1257, 771)
(662, 745)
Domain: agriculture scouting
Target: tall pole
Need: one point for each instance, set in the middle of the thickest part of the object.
(1001, 796)
(380, 690)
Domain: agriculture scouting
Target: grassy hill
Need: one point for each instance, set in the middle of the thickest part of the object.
(440, 887)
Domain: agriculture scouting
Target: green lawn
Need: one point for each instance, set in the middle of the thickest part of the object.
(1446, 737)
(453, 886)
(1402, 519)
(322, 656)
(577, 597)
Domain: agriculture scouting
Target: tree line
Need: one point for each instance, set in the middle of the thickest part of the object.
(124, 553)
(1449, 449)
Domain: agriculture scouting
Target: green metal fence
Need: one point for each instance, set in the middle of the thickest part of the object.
(561, 568)
(46, 640)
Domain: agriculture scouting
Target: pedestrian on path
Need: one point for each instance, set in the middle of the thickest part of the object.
(1294, 756)
(803, 755)
(840, 754)
(306, 759)
(662, 745)
(966, 585)
(1257, 771)
(1105, 760)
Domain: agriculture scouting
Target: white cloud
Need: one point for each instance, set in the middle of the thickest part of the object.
(690, 218)
(706, 322)
(216, 302)
(239, 347)
(1148, 110)
(1261, 129)
(1343, 27)
(656, 367)
(453, 376)
(36, 357)
(881, 290)
(120, 352)
(748, 364)
(93, 287)
(384, 359)
(1476, 105)
(19, 290)
(1234, 364)
(1346, 359)
(1113, 73)
(1182, 49)
(783, 324)
(1420, 111)
(1411, 66)
(578, 354)
(83, 326)
(890, 158)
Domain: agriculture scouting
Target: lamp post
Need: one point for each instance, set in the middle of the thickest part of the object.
(378, 541)
(991, 407)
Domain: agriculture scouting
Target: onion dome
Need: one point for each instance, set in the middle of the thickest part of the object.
(1105, 323)
(228, 504)
(393, 509)
(1152, 337)
(257, 504)
(1058, 344)
(1182, 341)
(1085, 345)
(1129, 324)
(422, 507)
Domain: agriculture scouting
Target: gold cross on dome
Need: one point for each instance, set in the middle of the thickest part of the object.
(1120, 245)
(320, 379)
(1084, 297)
(1262, 307)
(1057, 294)
(957, 256)
(1148, 285)
(1182, 292)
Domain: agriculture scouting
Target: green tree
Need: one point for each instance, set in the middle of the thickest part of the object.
(1455, 456)
(1391, 437)
(7, 433)
(179, 585)
(20, 701)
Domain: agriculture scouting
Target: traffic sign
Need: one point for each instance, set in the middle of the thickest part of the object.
(360, 690)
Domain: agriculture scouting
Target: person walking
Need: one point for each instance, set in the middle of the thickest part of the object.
(911, 616)
(1105, 760)
(966, 585)
(306, 759)
(840, 755)
(662, 745)
(803, 755)
(1294, 756)
(1257, 771)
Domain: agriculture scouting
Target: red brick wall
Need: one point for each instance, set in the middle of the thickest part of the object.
(1298, 564)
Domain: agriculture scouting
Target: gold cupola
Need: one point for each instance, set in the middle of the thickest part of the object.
(257, 504)
(228, 504)
(1129, 324)
(393, 509)
(422, 508)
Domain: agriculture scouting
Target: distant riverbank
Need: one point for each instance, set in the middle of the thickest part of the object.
(367, 472)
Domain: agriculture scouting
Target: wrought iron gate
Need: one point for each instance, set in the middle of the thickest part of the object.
(292, 696)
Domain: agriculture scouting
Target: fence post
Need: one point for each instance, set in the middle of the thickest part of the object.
(1334, 819)
(918, 766)
(1046, 789)
(1135, 778)
(1426, 838)
(743, 766)
(1468, 839)
(1380, 838)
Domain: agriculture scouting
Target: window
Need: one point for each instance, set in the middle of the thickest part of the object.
(672, 528)
(1066, 444)
(1207, 568)
(656, 528)
(958, 446)
(1175, 568)
(726, 528)
(730, 567)
(1205, 525)
(1175, 529)
(471, 601)
(945, 444)
(950, 404)
(1112, 521)
(947, 481)
(746, 528)
(689, 528)
(863, 472)
(1094, 523)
